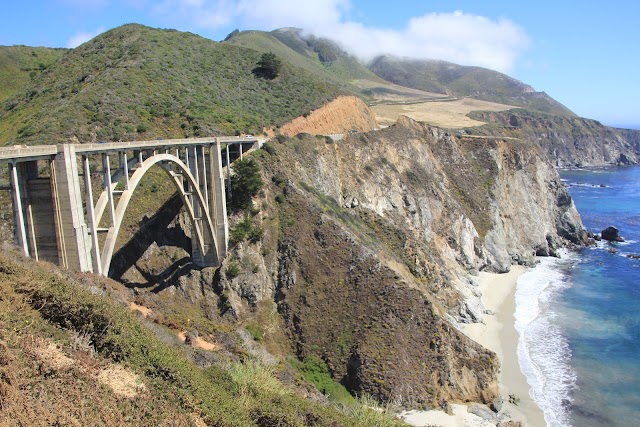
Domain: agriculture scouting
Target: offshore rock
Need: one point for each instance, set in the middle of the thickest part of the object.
(611, 234)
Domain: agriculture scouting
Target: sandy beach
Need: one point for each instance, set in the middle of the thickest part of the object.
(498, 334)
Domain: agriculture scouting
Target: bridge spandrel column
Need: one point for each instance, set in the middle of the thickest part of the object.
(74, 245)
(18, 213)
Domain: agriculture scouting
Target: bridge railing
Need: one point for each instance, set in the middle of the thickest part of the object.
(37, 152)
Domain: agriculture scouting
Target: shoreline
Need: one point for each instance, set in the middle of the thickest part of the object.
(498, 334)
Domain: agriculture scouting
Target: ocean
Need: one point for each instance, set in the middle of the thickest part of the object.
(579, 316)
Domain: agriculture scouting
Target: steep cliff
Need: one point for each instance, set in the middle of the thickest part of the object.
(368, 251)
(341, 115)
(484, 202)
(570, 141)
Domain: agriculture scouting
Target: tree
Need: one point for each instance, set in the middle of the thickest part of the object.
(268, 66)
(245, 184)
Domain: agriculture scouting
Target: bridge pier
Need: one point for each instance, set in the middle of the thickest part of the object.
(74, 244)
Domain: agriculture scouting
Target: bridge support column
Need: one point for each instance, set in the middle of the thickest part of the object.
(218, 202)
(74, 245)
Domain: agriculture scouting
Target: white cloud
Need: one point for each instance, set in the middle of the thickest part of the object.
(457, 37)
(82, 37)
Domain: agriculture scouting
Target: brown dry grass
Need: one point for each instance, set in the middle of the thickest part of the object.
(50, 354)
(447, 114)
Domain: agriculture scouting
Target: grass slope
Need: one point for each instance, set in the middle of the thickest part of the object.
(56, 337)
(136, 82)
(322, 57)
(458, 80)
(19, 65)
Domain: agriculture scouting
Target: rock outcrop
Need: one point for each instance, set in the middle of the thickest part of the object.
(611, 234)
(569, 141)
(377, 331)
(481, 202)
(367, 248)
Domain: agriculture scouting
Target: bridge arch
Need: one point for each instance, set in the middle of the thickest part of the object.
(177, 179)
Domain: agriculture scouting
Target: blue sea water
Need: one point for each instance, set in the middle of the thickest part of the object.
(579, 316)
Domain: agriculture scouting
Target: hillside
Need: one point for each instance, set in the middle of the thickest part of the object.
(135, 82)
(72, 353)
(20, 65)
(464, 81)
(327, 60)
(322, 57)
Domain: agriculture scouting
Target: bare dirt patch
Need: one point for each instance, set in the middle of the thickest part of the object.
(146, 312)
(198, 342)
(50, 354)
(122, 381)
(446, 114)
(338, 116)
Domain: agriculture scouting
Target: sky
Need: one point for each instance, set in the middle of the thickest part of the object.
(584, 54)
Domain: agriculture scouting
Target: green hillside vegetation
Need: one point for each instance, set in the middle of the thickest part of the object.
(465, 81)
(56, 338)
(136, 82)
(319, 56)
(19, 65)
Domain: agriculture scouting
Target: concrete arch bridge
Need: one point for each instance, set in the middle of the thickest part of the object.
(58, 219)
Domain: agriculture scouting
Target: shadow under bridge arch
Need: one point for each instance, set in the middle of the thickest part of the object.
(192, 198)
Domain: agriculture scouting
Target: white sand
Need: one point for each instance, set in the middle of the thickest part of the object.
(498, 334)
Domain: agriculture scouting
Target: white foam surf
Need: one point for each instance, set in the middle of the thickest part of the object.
(543, 351)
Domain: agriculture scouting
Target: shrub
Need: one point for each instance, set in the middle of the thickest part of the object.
(269, 148)
(255, 234)
(316, 371)
(245, 230)
(233, 270)
(256, 331)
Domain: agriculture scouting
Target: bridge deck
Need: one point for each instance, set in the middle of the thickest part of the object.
(41, 152)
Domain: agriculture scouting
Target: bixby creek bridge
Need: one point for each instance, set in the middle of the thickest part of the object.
(59, 217)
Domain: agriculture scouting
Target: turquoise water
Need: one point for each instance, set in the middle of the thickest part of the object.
(579, 317)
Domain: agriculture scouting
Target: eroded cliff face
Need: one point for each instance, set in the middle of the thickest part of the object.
(483, 203)
(370, 251)
(374, 324)
(569, 141)
(341, 115)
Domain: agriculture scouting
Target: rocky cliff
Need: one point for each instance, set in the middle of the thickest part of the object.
(370, 249)
(569, 141)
